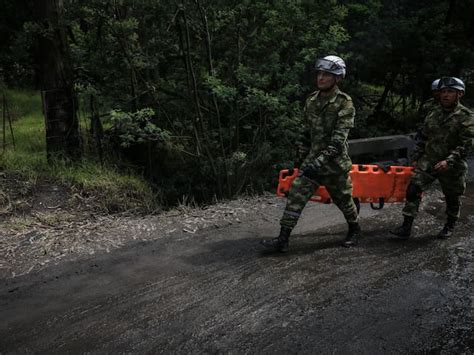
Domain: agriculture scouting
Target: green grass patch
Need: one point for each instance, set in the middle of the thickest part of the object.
(112, 190)
(22, 103)
(28, 157)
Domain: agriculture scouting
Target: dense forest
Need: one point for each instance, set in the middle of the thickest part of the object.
(204, 98)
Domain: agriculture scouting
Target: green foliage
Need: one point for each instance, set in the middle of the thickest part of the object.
(225, 94)
(206, 97)
(231, 104)
(136, 127)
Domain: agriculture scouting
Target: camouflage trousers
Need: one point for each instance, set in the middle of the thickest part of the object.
(453, 185)
(339, 188)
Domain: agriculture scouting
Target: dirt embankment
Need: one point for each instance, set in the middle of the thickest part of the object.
(46, 223)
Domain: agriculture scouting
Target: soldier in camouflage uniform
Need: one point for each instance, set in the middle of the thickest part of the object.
(330, 115)
(446, 139)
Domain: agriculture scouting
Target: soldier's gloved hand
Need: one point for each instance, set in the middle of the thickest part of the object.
(441, 165)
(311, 171)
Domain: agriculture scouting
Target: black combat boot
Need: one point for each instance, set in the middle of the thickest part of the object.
(404, 231)
(353, 235)
(279, 243)
(448, 228)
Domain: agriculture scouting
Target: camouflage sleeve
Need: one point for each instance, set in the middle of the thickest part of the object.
(345, 121)
(303, 141)
(420, 140)
(306, 136)
(466, 141)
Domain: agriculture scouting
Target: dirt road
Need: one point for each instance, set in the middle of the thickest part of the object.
(214, 291)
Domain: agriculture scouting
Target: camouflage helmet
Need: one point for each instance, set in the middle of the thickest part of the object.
(434, 85)
(331, 64)
(451, 82)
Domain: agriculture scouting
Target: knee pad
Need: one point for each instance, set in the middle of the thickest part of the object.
(413, 192)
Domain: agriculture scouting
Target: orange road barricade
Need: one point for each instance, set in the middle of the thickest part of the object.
(371, 184)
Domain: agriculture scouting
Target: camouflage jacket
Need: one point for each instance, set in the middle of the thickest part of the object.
(329, 122)
(446, 135)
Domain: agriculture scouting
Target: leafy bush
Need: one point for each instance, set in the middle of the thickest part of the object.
(134, 128)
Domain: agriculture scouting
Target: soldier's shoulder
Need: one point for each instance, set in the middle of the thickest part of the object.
(433, 109)
(344, 101)
(464, 113)
(344, 95)
(430, 101)
(429, 105)
(312, 95)
(465, 110)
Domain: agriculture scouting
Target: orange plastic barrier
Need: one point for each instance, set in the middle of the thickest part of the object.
(370, 184)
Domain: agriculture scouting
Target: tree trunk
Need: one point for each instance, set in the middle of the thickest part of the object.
(55, 79)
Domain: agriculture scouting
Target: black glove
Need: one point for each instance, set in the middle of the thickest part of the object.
(311, 171)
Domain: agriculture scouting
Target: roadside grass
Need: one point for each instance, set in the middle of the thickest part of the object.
(112, 190)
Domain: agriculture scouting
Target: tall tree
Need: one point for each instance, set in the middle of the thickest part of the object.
(54, 75)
